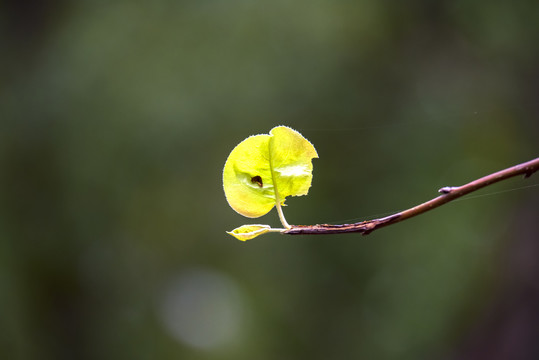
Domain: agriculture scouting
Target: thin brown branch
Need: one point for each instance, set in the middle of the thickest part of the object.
(448, 194)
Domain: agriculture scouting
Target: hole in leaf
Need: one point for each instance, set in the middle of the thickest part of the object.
(257, 180)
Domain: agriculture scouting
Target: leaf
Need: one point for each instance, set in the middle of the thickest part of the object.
(263, 170)
(248, 232)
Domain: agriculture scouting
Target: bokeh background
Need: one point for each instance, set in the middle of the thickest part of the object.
(117, 118)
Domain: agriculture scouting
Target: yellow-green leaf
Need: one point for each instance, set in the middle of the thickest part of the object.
(264, 169)
(247, 232)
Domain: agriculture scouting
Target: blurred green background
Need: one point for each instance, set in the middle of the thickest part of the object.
(117, 118)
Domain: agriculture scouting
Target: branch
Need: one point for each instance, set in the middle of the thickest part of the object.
(448, 194)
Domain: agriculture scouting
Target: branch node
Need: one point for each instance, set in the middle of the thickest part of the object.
(446, 189)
